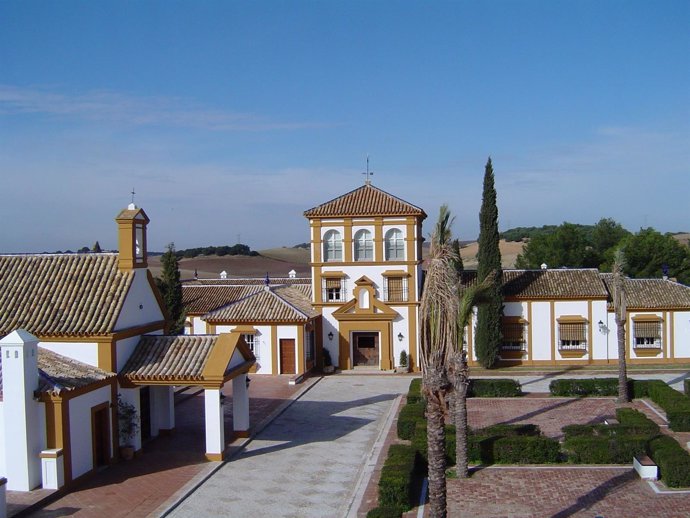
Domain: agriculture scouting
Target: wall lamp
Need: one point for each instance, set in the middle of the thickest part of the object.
(330, 336)
(400, 337)
(602, 328)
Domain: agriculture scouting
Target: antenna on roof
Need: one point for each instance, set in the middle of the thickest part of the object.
(368, 173)
(132, 206)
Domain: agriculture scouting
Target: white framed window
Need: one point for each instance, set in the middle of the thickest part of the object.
(333, 289)
(572, 336)
(332, 246)
(514, 333)
(395, 289)
(364, 246)
(253, 344)
(395, 245)
(647, 334)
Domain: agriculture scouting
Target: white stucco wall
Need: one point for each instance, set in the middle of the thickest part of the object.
(199, 326)
(400, 325)
(81, 440)
(330, 325)
(3, 468)
(541, 330)
(124, 349)
(140, 306)
(570, 308)
(600, 340)
(681, 322)
(86, 352)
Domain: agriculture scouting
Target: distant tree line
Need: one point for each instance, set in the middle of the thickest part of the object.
(238, 249)
(649, 253)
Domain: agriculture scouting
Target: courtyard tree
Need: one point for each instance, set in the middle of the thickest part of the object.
(439, 336)
(620, 308)
(171, 289)
(488, 337)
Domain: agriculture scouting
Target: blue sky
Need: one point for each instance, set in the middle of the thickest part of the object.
(231, 118)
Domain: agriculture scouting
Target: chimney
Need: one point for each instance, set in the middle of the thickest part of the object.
(223, 274)
(131, 230)
(292, 274)
(22, 431)
(544, 266)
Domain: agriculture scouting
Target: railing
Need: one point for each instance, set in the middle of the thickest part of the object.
(514, 346)
(333, 295)
(396, 295)
(582, 346)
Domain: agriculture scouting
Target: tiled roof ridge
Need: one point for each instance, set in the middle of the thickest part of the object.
(225, 306)
(289, 304)
(361, 188)
(56, 254)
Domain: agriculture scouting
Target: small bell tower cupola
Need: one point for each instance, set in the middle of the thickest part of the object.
(131, 223)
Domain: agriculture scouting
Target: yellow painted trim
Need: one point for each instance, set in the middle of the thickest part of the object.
(395, 273)
(672, 338)
(221, 354)
(648, 318)
(347, 240)
(647, 353)
(575, 319)
(378, 240)
(300, 361)
(106, 355)
(246, 329)
(385, 342)
(274, 350)
(333, 275)
(215, 457)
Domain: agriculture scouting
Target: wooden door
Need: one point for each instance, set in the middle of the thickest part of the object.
(145, 412)
(366, 349)
(100, 427)
(287, 356)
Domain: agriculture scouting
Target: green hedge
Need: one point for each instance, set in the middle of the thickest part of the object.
(686, 386)
(672, 459)
(414, 394)
(385, 512)
(526, 450)
(498, 387)
(409, 416)
(419, 442)
(635, 422)
(605, 450)
(584, 387)
(397, 478)
(675, 404)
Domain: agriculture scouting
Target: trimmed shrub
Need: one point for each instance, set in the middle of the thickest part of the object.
(414, 394)
(526, 450)
(605, 450)
(419, 442)
(408, 418)
(602, 387)
(672, 459)
(385, 512)
(634, 422)
(397, 478)
(675, 404)
(500, 387)
(686, 386)
(509, 430)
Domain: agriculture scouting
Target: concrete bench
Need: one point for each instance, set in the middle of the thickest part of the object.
(645, 467)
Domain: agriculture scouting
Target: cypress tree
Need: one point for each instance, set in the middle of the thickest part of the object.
(171, 289)
(488, 337)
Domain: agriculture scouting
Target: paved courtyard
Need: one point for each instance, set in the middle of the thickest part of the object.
(308, 461)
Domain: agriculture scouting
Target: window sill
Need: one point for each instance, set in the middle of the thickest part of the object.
(647, 352)
(572, 353)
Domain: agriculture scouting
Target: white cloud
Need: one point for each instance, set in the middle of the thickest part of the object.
(108, 106)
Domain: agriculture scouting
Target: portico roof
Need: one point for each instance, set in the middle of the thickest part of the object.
(204, 360)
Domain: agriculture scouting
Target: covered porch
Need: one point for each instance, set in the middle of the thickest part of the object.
(207, 362)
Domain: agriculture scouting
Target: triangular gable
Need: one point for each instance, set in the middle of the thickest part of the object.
(376, 309)
(365, 201)
(229, 357)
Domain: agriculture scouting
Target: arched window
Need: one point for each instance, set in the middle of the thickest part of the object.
(364, 246)
(332, 246)
(395, 245)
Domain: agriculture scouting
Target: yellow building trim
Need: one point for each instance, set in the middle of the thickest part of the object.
(378, 240)
(347, 240)
(301, 363)
(672, 337)
(274, 350)
(552, 318)
(412, 334)
(529, 333)
(384, 329)
(590, 331)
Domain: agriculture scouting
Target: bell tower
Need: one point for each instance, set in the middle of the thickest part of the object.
(131, 223)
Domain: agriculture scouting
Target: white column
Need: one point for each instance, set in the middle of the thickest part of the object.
(3, 497)
(163, 402)
(240, 406)
(21, 420)
(215, 431)
(53, 468)
(131, 396)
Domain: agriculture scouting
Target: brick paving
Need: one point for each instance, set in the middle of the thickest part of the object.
(560, 493)
(144, 485)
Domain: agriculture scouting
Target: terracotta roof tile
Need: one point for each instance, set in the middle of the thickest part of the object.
(202, 299)
(548, 284)
(244, 281)
(61, 294)
(158, 357)
(365, 201)
(652, 293)
(58, 373)
(284, 305)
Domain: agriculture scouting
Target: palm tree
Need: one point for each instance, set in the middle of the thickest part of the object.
(458, 370)
(620, 308)
(439, 310)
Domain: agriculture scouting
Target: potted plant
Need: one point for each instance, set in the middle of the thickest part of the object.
(327, 363)
(404, 367)
(128, 420)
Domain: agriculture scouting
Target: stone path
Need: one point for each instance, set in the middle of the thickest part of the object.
(308, 461)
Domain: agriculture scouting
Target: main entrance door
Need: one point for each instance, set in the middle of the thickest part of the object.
(287, 356)
(365, 349)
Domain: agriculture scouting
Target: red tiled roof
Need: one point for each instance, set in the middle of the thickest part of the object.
(365, 201)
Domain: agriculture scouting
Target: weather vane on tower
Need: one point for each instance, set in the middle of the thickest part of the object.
(368, 173)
